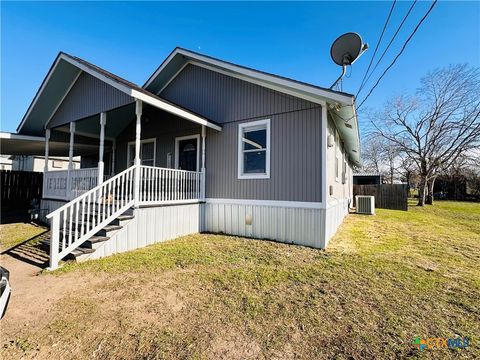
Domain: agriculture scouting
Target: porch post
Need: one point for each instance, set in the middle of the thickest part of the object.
(103, 121)
(70, 160)
(138, 129)
(45, 168)
(112, 158)
(202, 179)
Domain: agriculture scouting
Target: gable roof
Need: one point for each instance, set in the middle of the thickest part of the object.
(340, 105)
(63, 74)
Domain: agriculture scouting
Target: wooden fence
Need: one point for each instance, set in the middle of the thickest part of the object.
(18, 188)
(387, 196)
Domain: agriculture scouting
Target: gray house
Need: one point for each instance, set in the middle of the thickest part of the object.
(203, 145)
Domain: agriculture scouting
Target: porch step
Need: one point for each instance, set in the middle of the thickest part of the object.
(88, 247)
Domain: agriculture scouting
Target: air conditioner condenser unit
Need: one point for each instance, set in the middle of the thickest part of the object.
(365, 204)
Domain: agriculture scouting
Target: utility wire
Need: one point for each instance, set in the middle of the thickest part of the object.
(400, 53)
(378, 44)
(388, 46)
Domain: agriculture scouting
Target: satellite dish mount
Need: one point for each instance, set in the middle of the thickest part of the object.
(345, 50)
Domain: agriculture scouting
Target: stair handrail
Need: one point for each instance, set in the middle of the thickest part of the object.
(89, 192)
(121, 184)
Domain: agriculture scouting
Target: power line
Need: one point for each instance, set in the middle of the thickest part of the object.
(378, 44)
(400, 53)
(388, 46)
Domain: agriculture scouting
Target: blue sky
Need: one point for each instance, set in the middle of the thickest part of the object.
(131, 39)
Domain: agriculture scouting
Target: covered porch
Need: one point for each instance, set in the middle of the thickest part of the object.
(171, 156)
(122, 126)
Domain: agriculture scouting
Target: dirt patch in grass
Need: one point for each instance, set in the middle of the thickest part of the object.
(383, 281)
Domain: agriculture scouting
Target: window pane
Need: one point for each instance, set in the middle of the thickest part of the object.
(148, 150)
(256, 139)
(254, 162)
(148, 162)
(131, 153)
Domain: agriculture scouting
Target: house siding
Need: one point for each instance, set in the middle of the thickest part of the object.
(223, 98)
(295, 158)
(162, 126)
(88, 96)
(296, 145)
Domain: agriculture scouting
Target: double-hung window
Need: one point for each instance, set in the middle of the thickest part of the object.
(254, 150)
(147, 152)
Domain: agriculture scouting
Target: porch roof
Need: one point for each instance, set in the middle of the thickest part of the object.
(61, 78)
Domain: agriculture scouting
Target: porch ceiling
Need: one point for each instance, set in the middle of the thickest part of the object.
(117, 120)
(15, 144)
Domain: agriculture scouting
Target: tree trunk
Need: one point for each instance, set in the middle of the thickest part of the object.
(430, 186)
(421, 192)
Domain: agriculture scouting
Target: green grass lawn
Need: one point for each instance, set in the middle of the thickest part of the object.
(383, 281)
(16, 233)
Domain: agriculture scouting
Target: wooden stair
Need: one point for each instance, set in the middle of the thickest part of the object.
(88, 247)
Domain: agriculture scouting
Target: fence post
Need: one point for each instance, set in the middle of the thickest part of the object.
(54, 242)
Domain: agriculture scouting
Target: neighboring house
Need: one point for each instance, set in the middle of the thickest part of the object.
(204, 145)
(367, 179)
(5, 162)
(37, 163)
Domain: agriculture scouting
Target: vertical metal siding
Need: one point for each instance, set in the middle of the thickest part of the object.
(295, 158)
(223, 98)
(295, 171)
(151, 225)
(290, 225)
(87, 97)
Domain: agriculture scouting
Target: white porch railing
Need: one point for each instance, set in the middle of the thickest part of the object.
(162, 185)
(55, 184)
(75, 222)
(59, 185)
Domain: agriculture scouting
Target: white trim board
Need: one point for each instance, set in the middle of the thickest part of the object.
(177, 148)
(277, 203)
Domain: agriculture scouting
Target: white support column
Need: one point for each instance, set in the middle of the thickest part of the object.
(202, 179)
(45, 168)
(70, 160)
(112, 158)
(101, 165)
(138, 130)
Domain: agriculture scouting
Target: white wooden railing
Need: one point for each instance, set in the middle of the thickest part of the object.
(77, 221)
(60, 185)
(162, 185)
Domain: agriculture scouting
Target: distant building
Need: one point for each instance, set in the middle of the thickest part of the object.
(367, 178)
(37, 163)
(5, 162)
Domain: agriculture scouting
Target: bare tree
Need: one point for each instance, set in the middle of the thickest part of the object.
(436, 126)
(380, 156)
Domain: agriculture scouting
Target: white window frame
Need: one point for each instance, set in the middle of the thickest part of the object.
(153, 140)
(246, 125)
(177, 149)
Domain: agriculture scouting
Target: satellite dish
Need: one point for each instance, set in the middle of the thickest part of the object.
(345, 50)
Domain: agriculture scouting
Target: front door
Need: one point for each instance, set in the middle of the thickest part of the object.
(187, 153)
